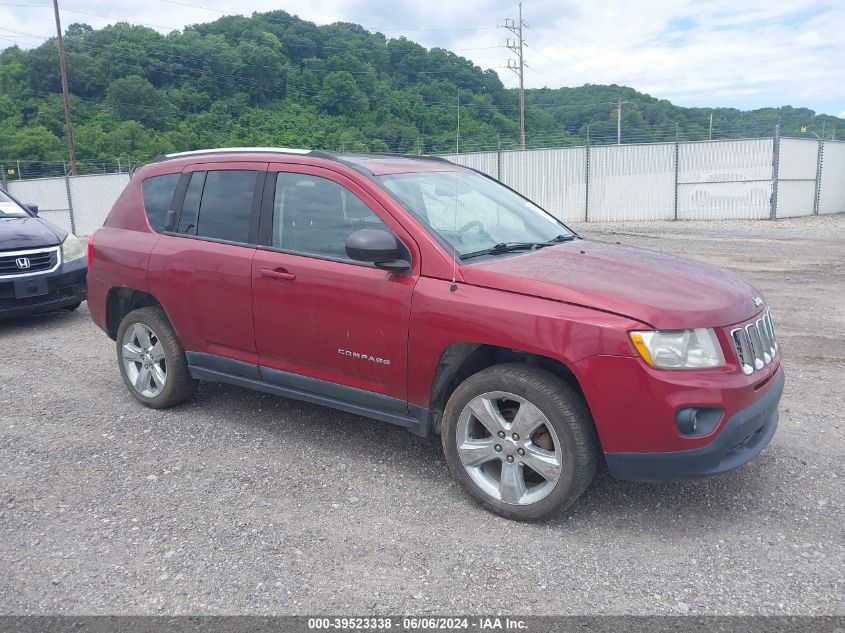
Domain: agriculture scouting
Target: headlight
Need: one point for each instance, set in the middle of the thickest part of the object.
(72, 249)
(679, 349)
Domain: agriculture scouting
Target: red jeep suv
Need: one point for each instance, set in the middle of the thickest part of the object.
(424, 294)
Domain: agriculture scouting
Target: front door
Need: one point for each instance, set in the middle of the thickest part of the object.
(340, 324)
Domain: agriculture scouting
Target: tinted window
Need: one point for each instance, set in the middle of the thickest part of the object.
(191, 205)
(158, 194)
(315, 215)
(226, 205)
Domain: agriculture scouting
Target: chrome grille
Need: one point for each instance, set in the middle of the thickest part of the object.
(755, 344)
(29, 262)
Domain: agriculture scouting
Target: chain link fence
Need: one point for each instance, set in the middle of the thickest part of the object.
(701, 180)
(78, 204)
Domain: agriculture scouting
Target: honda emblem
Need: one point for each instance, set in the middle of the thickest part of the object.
(23, 263)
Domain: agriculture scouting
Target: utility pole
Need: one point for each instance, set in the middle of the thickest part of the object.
(710, 134)
(619, 105)
(518, 67)
(71, 147)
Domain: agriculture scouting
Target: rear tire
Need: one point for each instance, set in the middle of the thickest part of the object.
(151, 359)
(524, 477)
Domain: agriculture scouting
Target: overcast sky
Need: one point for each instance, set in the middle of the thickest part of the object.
(737, 53)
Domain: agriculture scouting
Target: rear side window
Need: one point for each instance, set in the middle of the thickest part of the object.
(158, 194)
(226, 205)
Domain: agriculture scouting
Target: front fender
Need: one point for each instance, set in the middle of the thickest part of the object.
(472, 316)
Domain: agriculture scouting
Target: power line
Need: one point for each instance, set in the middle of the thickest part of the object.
(368, 28)
(175, 69)
(554, 61)
(270, 19)
(371, 71)
(571, 56)
(728, 128)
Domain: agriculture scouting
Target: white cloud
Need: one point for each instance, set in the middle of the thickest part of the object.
(693, 52)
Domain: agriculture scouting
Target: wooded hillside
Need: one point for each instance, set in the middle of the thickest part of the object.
(273, 79)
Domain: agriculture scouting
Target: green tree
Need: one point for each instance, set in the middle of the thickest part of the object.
(135, 98)
(36, 142)
(341, 95)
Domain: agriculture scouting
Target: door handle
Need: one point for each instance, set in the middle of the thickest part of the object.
(278, 274)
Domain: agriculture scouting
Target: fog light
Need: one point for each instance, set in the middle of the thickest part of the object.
(697, 421)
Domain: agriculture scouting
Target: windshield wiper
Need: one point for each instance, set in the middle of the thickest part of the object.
(506, 247)
(561, 238)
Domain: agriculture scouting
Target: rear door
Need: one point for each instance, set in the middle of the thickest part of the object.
(201, 268)
(318, 314)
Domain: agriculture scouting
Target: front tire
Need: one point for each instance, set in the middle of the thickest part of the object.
(520, 441)
(152, 361)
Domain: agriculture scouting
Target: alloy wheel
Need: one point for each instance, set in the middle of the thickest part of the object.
(509, 448)
(143, 360)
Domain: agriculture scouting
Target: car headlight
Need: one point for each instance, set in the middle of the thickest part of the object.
(72, 249)
(679, 349)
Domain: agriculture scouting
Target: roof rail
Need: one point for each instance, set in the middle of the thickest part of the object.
(347, 158)
(223, 150)
(390, 155)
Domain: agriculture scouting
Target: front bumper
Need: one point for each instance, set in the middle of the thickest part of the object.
(741, 439)
(65, 287)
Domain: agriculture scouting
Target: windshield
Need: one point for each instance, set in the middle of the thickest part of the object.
(470, 213)
(10, 208)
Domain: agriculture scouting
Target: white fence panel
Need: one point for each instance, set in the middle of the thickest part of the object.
(93, 198)
(797, 177)
(632, 182)
(725, 180)
(716, 180)
(832, 190)
(553, 178)
(50, 194)
(488, 162)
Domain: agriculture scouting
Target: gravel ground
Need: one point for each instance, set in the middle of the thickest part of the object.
(244, 503)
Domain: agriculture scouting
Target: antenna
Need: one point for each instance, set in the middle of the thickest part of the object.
(454, 286)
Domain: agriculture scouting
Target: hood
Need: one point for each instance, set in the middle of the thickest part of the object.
(17, 234)
(661, 290)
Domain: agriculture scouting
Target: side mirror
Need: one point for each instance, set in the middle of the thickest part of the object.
(378, 247)
(32, 207)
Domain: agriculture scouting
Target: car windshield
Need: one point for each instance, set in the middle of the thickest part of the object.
(10, 208)
(473, 214)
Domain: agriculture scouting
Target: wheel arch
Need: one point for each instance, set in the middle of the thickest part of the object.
(120, 301)
(459, 361)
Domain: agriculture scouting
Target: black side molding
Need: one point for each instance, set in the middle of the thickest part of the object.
(358, 401)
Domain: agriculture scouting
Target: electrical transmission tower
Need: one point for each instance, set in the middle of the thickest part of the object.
(518, 66)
